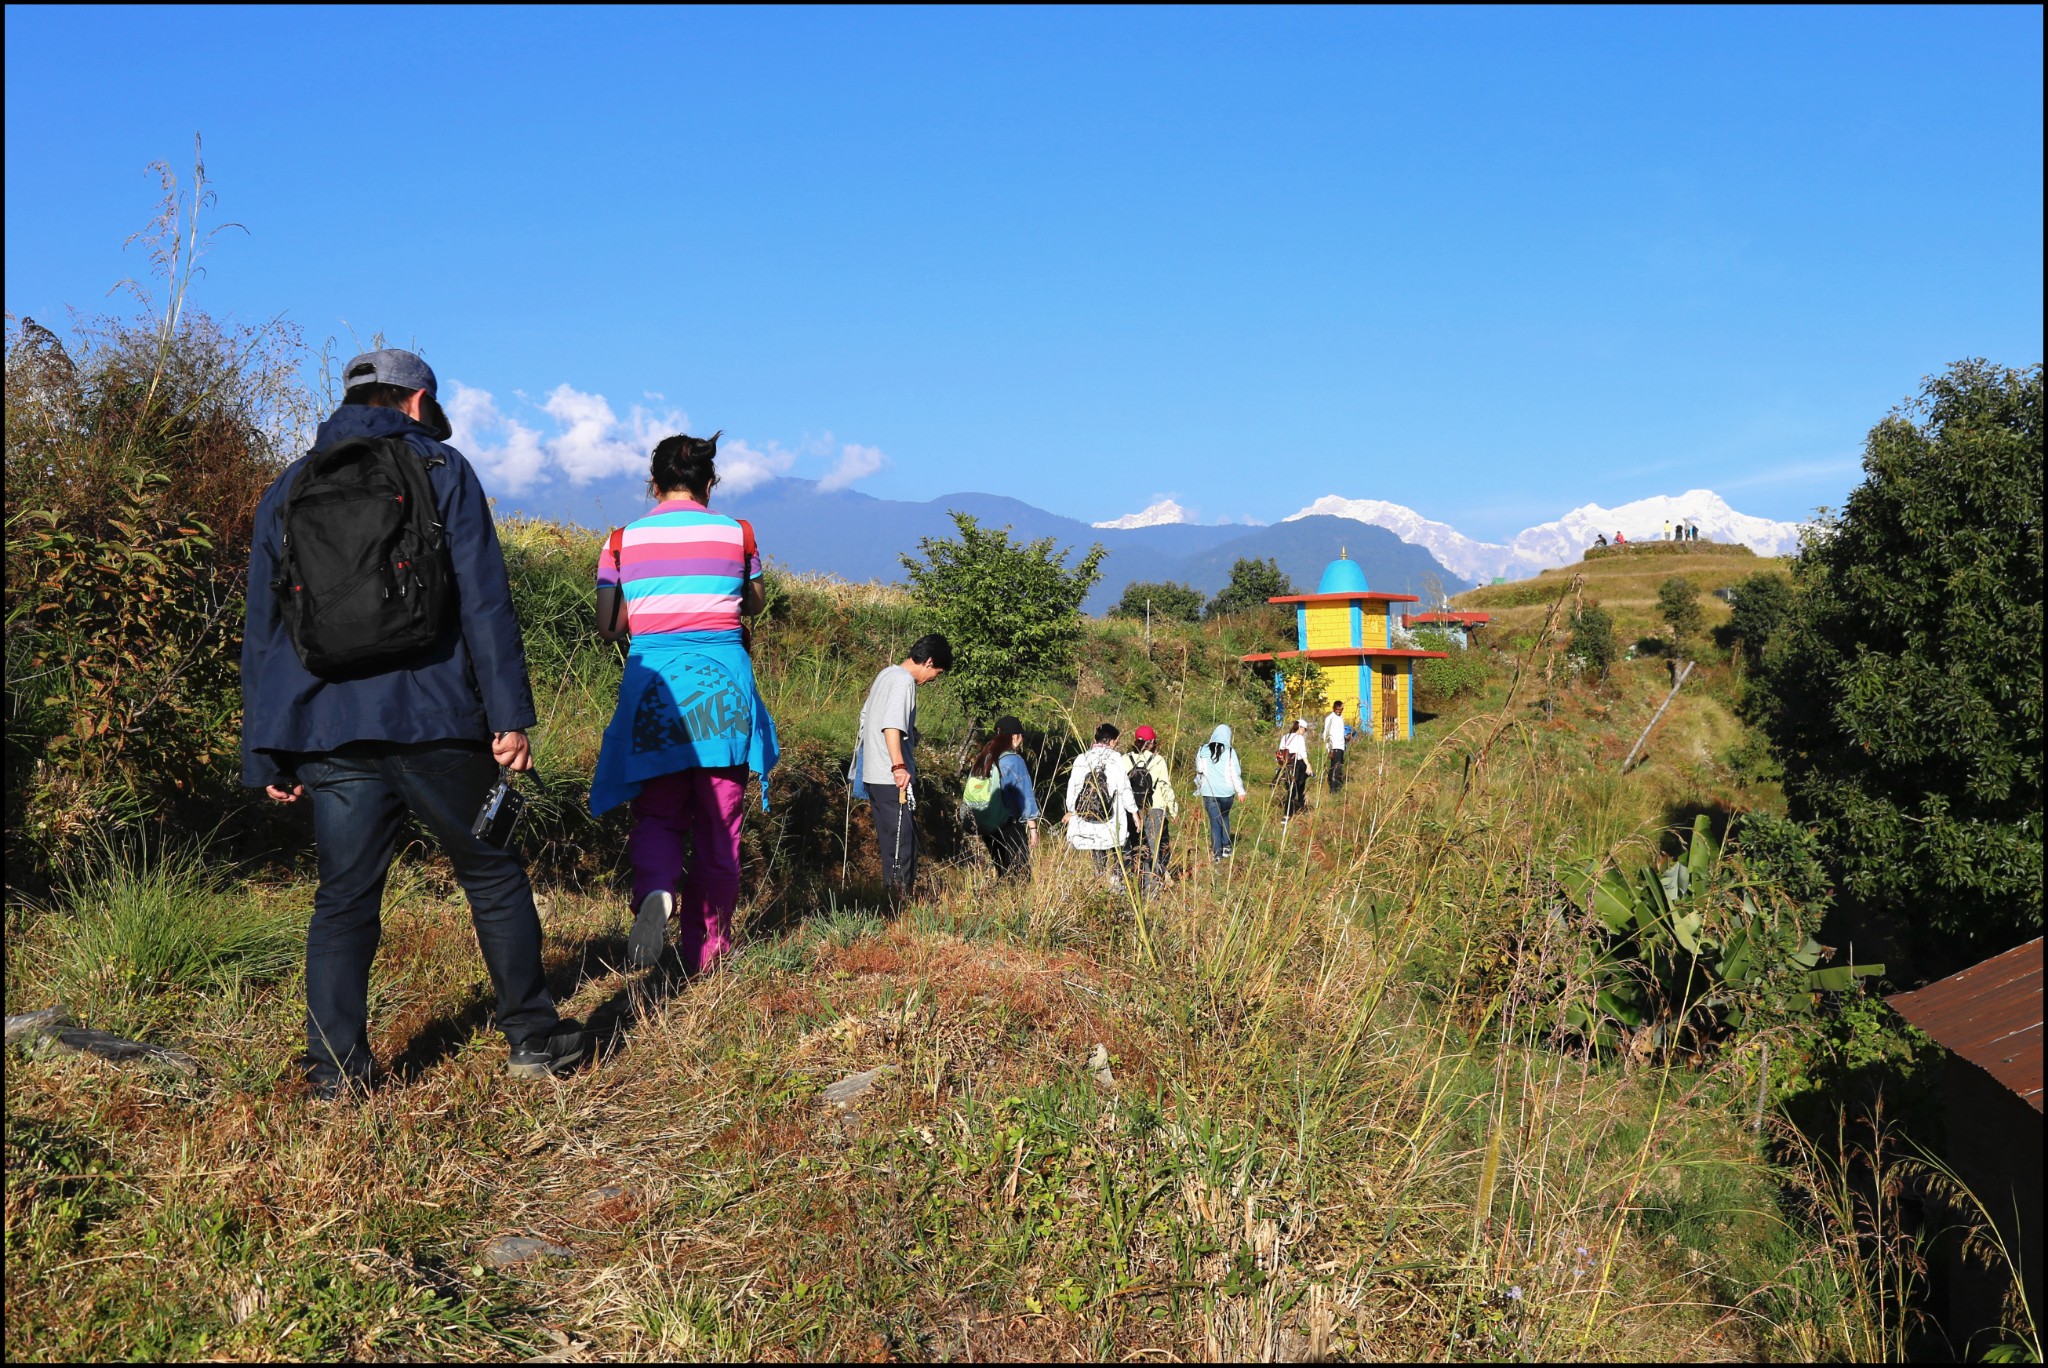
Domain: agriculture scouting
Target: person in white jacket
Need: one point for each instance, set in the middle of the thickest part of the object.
(1336, 736)
(1101, 811)
(1219, 782)
(1294, 772)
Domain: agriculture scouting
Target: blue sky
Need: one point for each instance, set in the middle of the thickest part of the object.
(1491, 264)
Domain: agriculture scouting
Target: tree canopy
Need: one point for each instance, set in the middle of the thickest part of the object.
(1011, 610)
(1763, 603)
(1678, 603)
(1170, 601)
(1252, 582)
(1903, 694)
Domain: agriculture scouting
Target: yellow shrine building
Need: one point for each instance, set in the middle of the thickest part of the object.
(1348, 631)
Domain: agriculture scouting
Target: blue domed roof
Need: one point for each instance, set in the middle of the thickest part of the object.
(1342, 576)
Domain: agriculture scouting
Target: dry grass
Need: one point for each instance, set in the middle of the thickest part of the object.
(1339, 1121)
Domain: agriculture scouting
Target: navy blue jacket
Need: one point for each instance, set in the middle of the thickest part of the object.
(469, 685)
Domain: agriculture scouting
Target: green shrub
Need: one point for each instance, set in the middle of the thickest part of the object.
(1168, 601)
(1011, 610)
(1678, 603)
(1460, 674)
(1763, 603)
(134, 458)
(1593, 645)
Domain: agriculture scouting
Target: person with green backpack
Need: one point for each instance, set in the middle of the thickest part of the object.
(999, 796)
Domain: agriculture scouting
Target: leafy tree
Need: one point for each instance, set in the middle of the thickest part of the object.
(1678, 603)
(1763, 603)
(1012, 610)
(1171, 601)
(1252, 582)
(1903, 695)
(1593, 640)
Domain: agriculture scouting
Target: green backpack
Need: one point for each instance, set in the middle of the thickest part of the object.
(982, 795)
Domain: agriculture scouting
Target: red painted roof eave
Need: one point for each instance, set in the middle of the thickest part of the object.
(1341, 598)
(1346, 652)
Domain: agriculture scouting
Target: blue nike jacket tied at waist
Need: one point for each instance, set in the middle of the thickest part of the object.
(465, 687)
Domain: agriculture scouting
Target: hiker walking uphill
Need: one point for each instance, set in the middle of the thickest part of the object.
(690, 724)
(1152, 795)
(1336, 737)
(884, 769)
(1219, 782)
(999, 794)
(383, 673)
(1294, 770)
(1100, 809)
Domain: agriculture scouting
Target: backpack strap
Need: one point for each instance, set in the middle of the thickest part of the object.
(618, 538)
(750, 551)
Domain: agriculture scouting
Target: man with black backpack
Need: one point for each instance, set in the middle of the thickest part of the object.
(382, 672)
(1100, 808)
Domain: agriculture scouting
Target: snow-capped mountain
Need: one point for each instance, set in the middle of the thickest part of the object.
(1563, 540)
(1158, 515)
(1475, 560)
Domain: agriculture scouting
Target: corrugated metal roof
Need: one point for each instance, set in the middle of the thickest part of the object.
(1990, 1014)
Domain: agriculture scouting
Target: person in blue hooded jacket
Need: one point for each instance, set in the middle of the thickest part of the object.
(1219, 783)
(427, 737)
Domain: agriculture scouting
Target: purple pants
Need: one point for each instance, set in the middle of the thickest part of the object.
(705, 805)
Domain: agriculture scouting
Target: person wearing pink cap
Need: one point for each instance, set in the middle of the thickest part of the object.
(1152, 791)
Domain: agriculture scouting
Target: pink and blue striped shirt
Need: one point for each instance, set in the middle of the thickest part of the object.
(682, 568)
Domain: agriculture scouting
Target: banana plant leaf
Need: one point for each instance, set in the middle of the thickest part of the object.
(1840, 977)
(1702, 854)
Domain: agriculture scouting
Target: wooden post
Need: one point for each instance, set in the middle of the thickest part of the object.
(1653, 718)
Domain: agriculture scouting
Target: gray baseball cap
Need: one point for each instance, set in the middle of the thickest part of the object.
(390, 366)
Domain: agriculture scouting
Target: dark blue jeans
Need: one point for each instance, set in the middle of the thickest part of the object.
(360, 795)
(1219, 824)
(895, 838)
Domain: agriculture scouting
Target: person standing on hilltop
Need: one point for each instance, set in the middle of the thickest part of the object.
(689, 724)
(1219, 782)
(1667, 529)
(885, 758)
(383, 673)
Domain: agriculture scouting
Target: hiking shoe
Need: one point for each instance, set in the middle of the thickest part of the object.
(327, 1087)
(551, 1054)
(650, 930)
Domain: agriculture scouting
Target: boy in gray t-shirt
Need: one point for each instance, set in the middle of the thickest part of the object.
(887, 757)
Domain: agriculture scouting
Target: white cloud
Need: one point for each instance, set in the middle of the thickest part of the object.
(741, 467)
(590, 441)
(856, 462)
(505, 452)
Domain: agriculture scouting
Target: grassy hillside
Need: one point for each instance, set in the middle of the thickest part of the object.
(1623, 580)
(1341, 1112)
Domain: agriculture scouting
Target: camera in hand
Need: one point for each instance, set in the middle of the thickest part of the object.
(503, 806)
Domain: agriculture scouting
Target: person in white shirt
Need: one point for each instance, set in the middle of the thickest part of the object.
(1295, 771)
(1100, 809)
(1336, 735)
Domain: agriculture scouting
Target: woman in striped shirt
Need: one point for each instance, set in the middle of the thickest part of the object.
(690, 723)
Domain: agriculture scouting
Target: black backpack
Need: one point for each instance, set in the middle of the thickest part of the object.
(363, 576)
(1094, 802)
(1141, 787)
